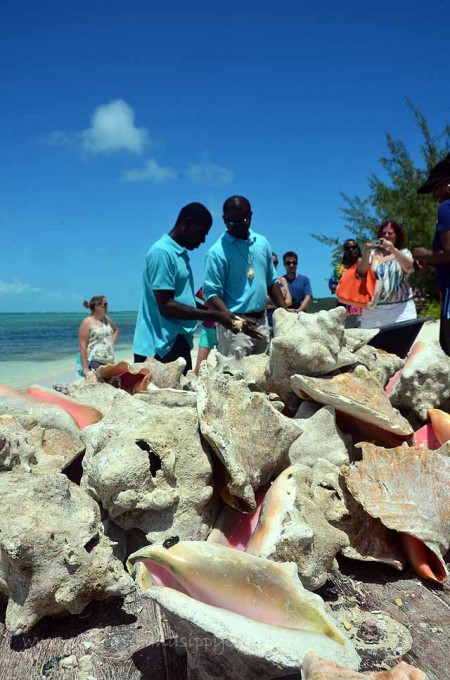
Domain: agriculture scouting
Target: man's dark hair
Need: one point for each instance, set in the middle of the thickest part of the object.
(197, 213)
(290, 253)
(236, 202)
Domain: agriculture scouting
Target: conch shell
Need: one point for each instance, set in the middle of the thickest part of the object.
(259, 589)
(408, 490)
(82, 414)
(356, 394)
(440, 422)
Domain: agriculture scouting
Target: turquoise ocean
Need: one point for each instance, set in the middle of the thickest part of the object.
(42, 347)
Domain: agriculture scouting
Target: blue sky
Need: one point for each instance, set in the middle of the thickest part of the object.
(115, 115)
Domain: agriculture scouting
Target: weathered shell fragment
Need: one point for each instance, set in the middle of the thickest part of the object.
(150, 469)
(292, 527)
(310, 344)
(355, 338)
(368, 539)
(381, 364)
(408, 489)
(54, 556)
(321, 438)
(241, 602)
(233, 420)
(249, 368)
(315, 668)
(424, 382)
(357, 394)
(40, 450)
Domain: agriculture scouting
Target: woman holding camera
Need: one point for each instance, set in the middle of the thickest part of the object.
(392, 264)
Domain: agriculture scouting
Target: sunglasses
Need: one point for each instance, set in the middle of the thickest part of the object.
(238, 223)
(101, 304)
(290, 262)
(275, 263)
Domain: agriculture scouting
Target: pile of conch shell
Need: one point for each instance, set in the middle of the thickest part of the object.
(229, 497)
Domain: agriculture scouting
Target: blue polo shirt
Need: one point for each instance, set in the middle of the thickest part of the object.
(167, 267)
(299, 287)
(443, 224)
(227, 267)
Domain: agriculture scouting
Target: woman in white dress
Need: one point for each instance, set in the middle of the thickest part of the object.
(97, 335)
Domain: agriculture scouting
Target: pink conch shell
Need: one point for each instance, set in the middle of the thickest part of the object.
(427, 437)
(315, 668)
(357, 394)
(440, 422)
(253, 587)
(233, 529)
(293, 526)
(30, 411)
(132, 378)
(408, 489)
(82, 414)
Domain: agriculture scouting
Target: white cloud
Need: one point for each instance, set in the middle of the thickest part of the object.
(209, 174)
(151, 172)
(113, 129)
(17, 287)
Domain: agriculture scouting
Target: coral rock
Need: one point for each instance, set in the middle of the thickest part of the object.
(40, 450)
(54, 556)
(150, 470)
(310, 344)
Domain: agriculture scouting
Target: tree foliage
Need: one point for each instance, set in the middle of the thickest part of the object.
(396, 198)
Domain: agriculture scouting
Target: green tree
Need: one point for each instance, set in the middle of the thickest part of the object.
(397, 198)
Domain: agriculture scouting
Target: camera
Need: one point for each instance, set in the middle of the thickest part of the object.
(377, 243)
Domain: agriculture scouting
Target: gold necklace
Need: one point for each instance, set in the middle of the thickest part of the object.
(248, 260)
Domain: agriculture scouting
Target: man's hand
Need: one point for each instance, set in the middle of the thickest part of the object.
(228, 321)
(250, 328)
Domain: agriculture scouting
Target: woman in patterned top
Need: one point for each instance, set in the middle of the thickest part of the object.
(351, 255)
(97, 335)
(392, 264)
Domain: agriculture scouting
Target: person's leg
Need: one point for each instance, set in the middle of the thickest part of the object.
(202, 354)
(444, 329)
(207, 342)
(180, 348)
(139, 358)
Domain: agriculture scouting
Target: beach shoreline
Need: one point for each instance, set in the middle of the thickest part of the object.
(21, 374)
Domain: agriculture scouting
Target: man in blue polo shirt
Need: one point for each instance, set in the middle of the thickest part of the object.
(168, 315)
(299, 285)
(239, 274)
